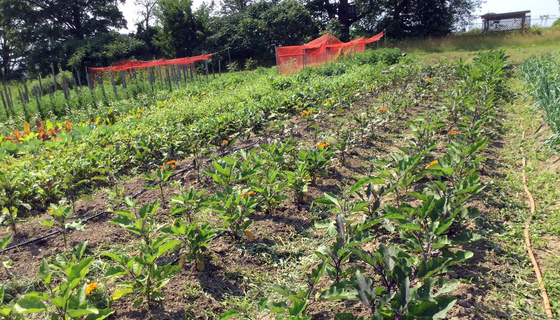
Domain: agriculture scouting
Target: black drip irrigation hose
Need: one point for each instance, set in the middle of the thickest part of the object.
(134, 196)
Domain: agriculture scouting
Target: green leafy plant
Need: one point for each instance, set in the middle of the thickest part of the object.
(163, 174)
(6, 261)
(195, 240)
(234, 207)
(67, 293)
(61, 213)
(270, 189)
(145, 276)
(188, 203)
(7, 311)
(298, 180)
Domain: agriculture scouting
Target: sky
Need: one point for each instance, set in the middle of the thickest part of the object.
(537, 7)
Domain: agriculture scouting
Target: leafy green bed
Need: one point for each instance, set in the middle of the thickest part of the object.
(34, 174)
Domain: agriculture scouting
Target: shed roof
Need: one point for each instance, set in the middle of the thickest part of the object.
(507, 15)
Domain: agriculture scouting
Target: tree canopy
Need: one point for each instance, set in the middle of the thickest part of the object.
(72, 34)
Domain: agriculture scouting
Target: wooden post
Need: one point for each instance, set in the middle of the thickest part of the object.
(26, 90)
(79, 79)
(168, 79)
(123, 80)
(65, 89)
(385, 37)
(220, 67)
(11, 98)
(76, 87)
(38, 99)
(113, 84)
(183, 66)
(191, 70)
(178, 73)
(8, 102)
(206, 66)
(5, 106)
(22, 98)
(100, 80)
(54, 77)
(40, 83)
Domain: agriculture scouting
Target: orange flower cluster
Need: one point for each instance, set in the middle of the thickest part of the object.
(431, 164)
(250, 193)
(453, 132)
(224, 143)
(327, 102)
(323, 144)
(305, 113)
(428, 79)
(383, 110)
(90, 288)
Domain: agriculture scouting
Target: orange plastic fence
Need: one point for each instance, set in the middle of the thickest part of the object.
(132, 64)
(323, 49)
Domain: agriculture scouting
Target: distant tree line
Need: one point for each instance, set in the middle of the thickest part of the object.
(37, 35)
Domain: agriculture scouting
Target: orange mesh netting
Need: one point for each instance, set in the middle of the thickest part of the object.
(132, 64)
(325, 48)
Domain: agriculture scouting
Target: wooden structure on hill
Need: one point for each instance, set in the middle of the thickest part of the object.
(509, 21)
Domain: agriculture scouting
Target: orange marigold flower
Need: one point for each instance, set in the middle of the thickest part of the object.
(174, 167)
(224, 142)
(90, 288)
(428, 79)
(251, 192)
(244, 195)
(431, 164)
(421, 229)
(163, 167)
(171, 162)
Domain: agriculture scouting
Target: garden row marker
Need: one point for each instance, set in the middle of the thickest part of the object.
(532, 206)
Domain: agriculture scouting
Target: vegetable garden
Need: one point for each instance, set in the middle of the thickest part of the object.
(362, 189)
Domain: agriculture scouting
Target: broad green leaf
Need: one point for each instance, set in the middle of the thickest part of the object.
(342, 290)
(79, 271)
(119, 293)
(298, 308)
(229, 314)
(102, 314)
(5, 241)
(30, 305)
(79, 313)
(47, 223)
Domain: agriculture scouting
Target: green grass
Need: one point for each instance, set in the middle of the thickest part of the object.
(518, 46)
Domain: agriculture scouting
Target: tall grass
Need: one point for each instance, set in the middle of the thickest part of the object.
(542, 76)
(476, 41)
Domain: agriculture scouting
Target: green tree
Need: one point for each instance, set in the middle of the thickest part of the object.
(14, 35)
(60, 27)
(259, 28)
(180, 31)
(401, 18)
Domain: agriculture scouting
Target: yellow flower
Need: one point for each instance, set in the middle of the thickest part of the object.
(90, 288)
(251, 192)
(428, 79)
